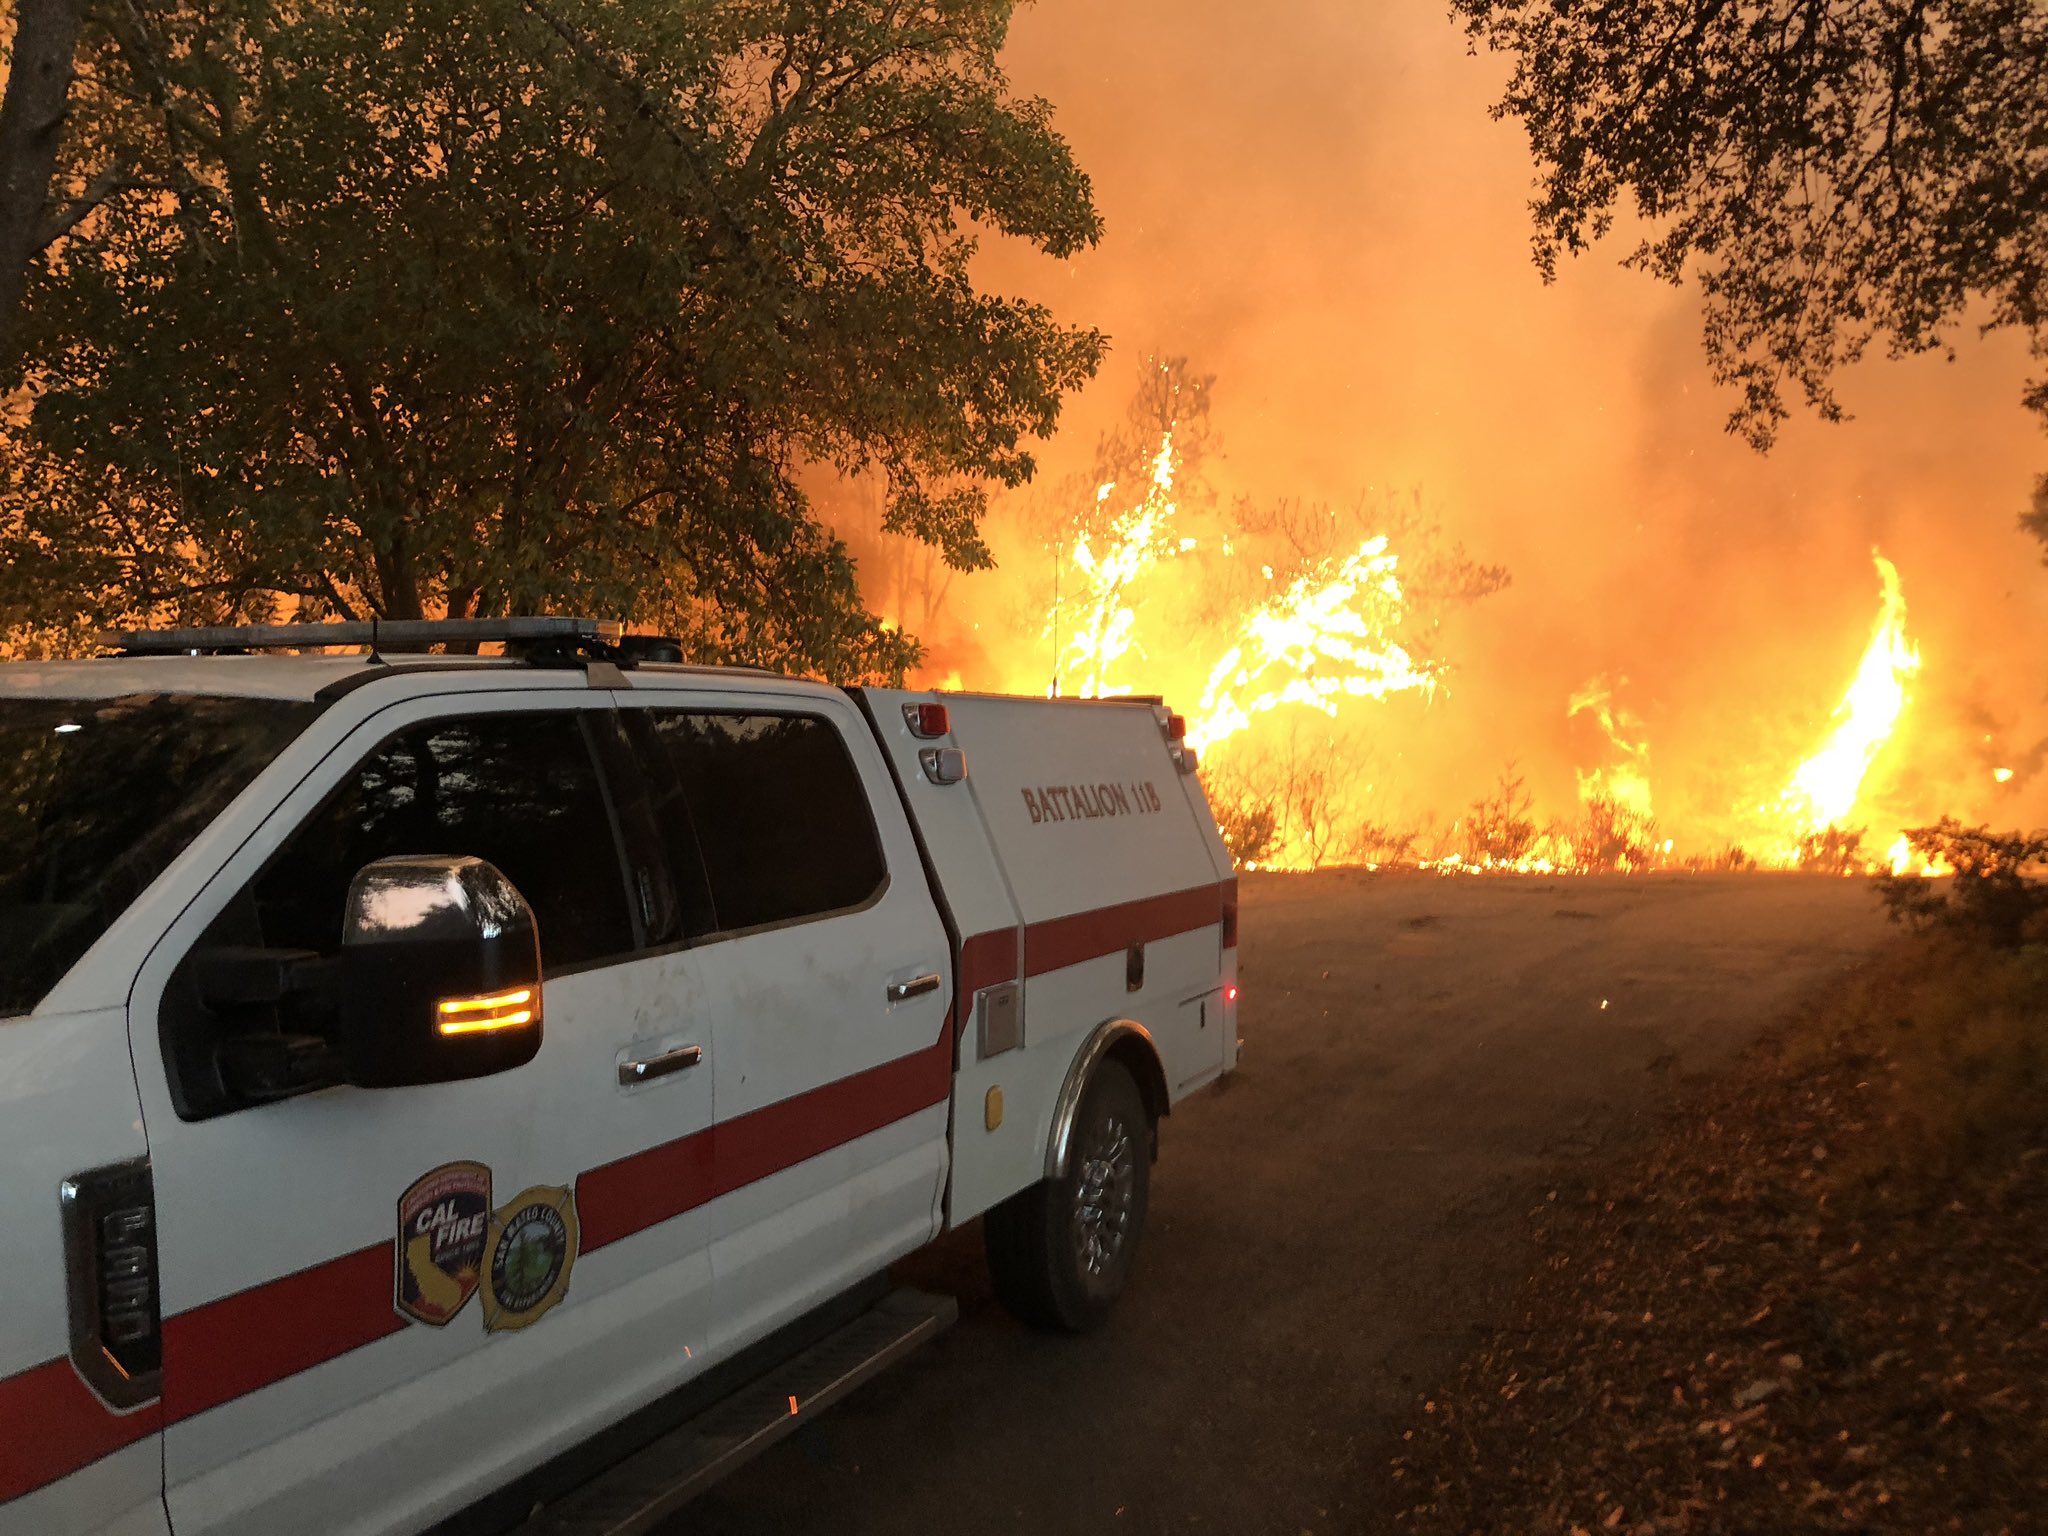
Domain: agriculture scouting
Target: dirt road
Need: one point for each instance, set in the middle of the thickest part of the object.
(1332, 1227)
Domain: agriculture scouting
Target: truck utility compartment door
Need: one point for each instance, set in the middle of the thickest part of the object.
(1111, 871)
(1075, 870)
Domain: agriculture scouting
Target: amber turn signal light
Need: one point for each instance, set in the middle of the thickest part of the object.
(491, 1011)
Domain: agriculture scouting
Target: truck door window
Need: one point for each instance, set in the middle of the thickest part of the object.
(519, 790)
(772, 808)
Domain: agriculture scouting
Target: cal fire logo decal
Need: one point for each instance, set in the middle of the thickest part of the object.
(443, 1222)
(531, 1250)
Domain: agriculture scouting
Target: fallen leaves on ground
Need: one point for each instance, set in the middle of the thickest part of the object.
(1781, 1317)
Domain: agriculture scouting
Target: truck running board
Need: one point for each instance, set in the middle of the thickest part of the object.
(648, 1486)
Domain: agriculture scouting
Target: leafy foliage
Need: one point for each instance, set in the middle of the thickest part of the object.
(1997, 890)
(1839, 172)
(422, 306)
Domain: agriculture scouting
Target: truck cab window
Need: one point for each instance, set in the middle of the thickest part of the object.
(520, 790)
(97, 797)
(770, 807)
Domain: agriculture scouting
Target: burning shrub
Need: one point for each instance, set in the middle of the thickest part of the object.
(1501, 827)
(1247, 817)
(1312, 813)
(1379, 843)
(1833, 851)
(1992, 896)
(1732, 860)
(1612, 837)
(1248, 831)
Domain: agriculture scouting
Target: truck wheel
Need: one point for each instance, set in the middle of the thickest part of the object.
(1060, 1251)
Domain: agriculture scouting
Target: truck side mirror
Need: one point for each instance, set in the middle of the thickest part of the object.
(440, 973)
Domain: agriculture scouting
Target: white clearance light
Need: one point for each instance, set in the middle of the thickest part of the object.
(943, 765)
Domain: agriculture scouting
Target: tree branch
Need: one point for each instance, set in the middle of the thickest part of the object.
(110, 182)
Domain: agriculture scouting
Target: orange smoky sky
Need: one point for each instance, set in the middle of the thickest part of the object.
(1312, 203)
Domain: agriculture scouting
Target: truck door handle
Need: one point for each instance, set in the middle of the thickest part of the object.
(647, 1070)
(917, 986)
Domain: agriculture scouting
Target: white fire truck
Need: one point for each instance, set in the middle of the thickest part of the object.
(452, 1091)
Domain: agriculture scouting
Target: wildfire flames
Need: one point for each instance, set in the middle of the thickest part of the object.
(1823, 790)
(1322, 640)
(1138, 537)
(1267, 662)
(1626, 783)
(1325, 637)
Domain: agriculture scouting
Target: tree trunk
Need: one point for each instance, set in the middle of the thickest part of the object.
(31, 120)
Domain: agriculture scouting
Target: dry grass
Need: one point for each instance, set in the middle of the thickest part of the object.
(1962, 1032)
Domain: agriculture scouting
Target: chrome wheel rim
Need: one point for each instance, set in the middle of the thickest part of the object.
(1102, 1196)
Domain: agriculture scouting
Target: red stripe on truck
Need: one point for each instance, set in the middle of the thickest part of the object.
(647, 1188)
(228, 1348)
(55, 1425)
(1059, 942)
(986, 960)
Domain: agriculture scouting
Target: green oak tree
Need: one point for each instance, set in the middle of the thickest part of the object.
(1838, 173)
(476, 306)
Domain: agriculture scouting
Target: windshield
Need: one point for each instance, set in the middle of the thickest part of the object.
(97, 796)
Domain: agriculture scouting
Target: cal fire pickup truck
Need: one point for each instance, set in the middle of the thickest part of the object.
(424, 1077)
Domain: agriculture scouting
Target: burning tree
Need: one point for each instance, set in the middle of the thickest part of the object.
(1274, 609)
(1111, 527)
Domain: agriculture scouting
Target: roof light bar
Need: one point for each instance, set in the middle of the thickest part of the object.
(368, 634)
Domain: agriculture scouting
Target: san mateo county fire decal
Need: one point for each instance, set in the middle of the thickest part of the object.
(443, 1221)
(531, 1250)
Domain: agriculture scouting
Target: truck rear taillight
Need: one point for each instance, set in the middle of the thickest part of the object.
(1230, 993)
(927, 721)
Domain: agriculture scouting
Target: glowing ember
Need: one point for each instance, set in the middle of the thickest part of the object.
(1323, 639)
(1824, 788)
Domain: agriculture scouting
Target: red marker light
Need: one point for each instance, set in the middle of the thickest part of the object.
(1230, 993)
(1176, 727)
(927, 720)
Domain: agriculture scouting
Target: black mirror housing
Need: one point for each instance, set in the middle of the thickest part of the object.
(440, 973)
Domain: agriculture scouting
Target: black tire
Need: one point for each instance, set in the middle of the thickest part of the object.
(1061, 1251)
